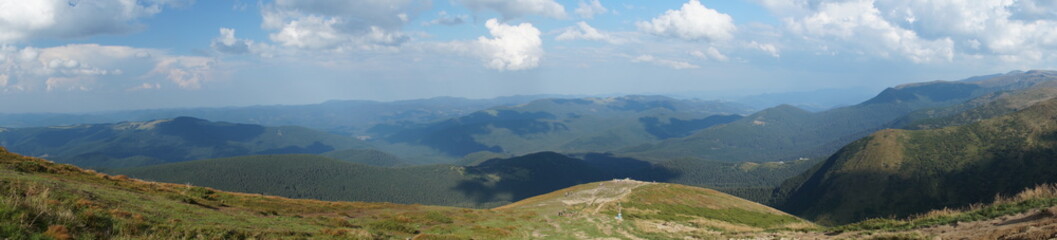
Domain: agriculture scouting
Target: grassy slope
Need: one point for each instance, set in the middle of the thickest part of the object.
(901, 172)
(45, 200)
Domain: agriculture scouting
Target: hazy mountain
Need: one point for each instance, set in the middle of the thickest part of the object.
(569, 125)
(170, 140)
(904, 172)
(348, 117)
(815, 101)
(786, 132)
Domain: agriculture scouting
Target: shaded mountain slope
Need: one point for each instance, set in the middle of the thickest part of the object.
(488, 184)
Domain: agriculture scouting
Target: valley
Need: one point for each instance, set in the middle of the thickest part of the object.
(916, 161)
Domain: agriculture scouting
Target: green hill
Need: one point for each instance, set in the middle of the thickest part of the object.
(905, 172)
(179, 139)
(44, 200)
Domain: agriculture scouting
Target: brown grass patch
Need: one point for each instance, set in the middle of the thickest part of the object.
(58, 232)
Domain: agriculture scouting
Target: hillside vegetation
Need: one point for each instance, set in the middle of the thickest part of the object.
(44, 200)
(905, 172)
(486, 184)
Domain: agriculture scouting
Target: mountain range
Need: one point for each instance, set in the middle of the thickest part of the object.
(909, 150)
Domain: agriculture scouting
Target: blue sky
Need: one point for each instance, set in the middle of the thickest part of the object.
(90, 55)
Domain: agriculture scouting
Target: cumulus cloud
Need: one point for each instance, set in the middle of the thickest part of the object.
(186, 72)
(83, 67)
(677, 65)
(590, 9)
(511, 9)
(584, 31)
(339, 25)
(26, 20)
(227, 43)
(513, 47)
(859, 22)
(691, 22)
(1022, 31)
(448, 20)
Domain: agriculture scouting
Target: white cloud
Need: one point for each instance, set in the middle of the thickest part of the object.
(860, 25)
(590, 9)
(511, 9)
(227, 43)
(83, 67)
(710, 53)
(1016, 32)
(677, 65)
(186, 72)
(513, 47)
(766, 47)
(583, 31)
(340, 25)
(444, 19)
(691, 22)
(27, 20)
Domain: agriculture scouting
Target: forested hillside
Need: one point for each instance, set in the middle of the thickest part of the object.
(904, 172)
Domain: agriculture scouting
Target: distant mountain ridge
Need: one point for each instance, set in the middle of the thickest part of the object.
(168, 140)
(569, 125)
(349, 117)
(786, 132)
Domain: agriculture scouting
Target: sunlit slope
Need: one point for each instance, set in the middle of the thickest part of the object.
(46, 200)
(654, 210)
(902, 172)
(39, 198)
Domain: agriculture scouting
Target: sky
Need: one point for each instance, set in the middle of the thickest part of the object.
(101, 55)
